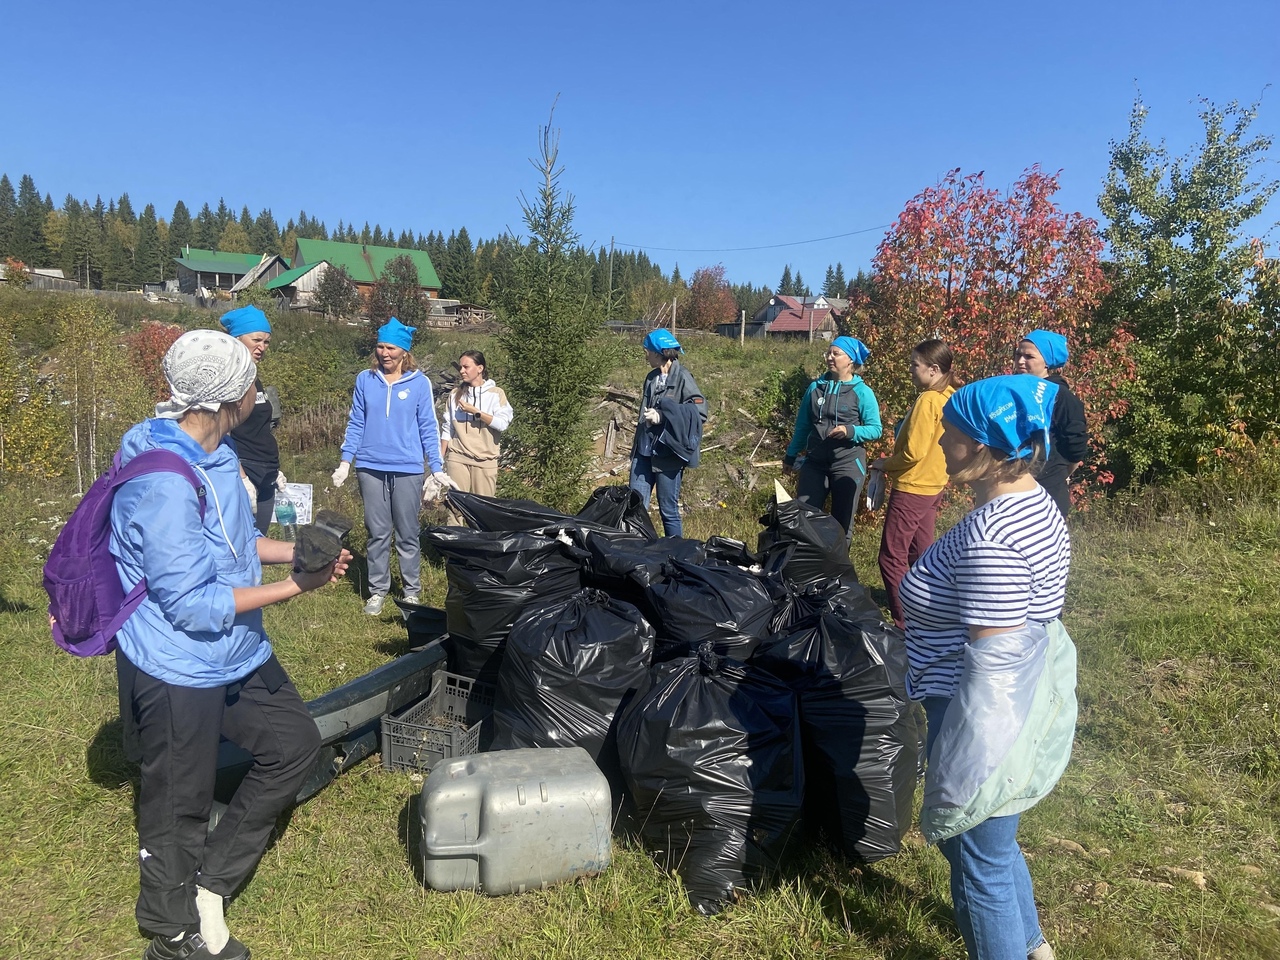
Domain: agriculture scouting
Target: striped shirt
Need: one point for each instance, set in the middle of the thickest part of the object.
(1004, 564)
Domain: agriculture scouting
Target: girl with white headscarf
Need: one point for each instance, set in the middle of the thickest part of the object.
(194, 663)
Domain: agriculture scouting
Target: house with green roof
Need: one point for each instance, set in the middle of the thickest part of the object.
(365, 262)
(212, 269)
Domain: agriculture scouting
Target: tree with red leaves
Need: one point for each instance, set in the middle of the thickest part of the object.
(710, 300)
(979, 270)
(147, 346)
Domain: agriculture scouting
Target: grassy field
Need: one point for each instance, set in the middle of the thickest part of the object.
(1160, 841)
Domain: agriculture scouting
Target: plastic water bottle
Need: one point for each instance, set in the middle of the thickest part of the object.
(287, 517)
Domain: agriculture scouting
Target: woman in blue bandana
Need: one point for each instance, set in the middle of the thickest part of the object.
(837, 416)
(255, 439)
(987, 655)
(669, 431)
(392, 435)
(1043, 353)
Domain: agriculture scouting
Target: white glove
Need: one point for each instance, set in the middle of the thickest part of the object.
(434, 487)
(652, 415)
(250, 489)
(280, 480)
(340, 475)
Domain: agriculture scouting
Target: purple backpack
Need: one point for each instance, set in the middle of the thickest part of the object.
(87, 604)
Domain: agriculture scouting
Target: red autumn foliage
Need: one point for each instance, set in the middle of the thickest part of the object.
(710, 300)
(147, 346)
(980, 270)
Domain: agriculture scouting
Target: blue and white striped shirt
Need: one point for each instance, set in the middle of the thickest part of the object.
(1004, 564)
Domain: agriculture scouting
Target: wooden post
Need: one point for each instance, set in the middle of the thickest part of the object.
(673, 315)
(742, 330)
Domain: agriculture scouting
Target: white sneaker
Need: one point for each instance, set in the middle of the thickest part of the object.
(412, 598)
(374, 606)
(1042, 952)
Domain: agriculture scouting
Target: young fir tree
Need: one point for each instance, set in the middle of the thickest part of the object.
(786, 286)
(206, 233)
(147, 255)
(550, 340)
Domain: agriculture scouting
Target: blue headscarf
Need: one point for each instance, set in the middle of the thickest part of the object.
(854, 349)
(1052, 346)
(662, 339)
(244, 320)
(1004, 413)
(397, 334)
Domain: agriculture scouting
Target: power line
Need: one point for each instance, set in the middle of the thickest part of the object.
(767, 246)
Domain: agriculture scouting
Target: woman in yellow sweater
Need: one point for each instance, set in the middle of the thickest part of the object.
(917, 468)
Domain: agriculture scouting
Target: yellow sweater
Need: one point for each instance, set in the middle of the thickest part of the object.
(917, 464)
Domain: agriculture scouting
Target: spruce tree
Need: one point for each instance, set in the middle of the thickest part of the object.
(206, 233)
(124, 210)
(223, 216)
(27, 241)
(179, 230)
(376, 238)
(462, 267)
(147, 255)
(551, 342)
(8, 215)
(829, 282)
(265, 235)
(786, 286)
(841, 285)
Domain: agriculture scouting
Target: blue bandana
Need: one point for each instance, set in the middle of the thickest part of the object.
(662, 339)
(397, 334)
(1052, 346)
(853, 348)
(1004, 413)
(244, 320)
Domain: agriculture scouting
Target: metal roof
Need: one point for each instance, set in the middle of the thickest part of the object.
(364, 262)
(288, 278)
(214, 261)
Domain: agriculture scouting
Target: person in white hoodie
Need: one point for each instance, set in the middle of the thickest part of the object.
(391, 434)
(477, 412)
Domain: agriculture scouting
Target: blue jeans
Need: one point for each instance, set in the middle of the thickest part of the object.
(990, 884)
(644, 478)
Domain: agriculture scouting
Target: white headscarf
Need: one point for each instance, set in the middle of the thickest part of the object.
(205, 369)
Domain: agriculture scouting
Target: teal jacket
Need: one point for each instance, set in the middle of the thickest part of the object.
(1007, 734)
(829, 403)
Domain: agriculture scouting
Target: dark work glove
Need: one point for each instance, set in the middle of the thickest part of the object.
(318, 544)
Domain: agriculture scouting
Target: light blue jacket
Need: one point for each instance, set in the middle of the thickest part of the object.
(186, 632)
(392, 426)
(1007, 733)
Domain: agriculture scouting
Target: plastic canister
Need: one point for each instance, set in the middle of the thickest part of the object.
(515, 820)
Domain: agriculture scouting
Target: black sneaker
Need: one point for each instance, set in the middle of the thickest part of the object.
(193, 947)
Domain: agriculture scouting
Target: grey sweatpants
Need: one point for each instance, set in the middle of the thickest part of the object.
(392, 501)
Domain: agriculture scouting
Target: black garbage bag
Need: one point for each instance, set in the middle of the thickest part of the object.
(501, 515)
(728, 550)
(711, 755)
(634, 560)
(805, 542)
(568, 669)
(493, 579)
(620, 507)
(822, 596)
(716, 602)
(858, 728)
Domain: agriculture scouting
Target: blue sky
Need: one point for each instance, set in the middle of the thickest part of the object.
(703, 126)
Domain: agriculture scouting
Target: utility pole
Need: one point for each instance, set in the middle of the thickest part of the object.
(742, 330)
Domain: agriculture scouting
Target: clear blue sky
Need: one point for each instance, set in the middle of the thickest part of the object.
(703, 125)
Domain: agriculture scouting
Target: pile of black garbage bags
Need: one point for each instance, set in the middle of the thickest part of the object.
(743, 704)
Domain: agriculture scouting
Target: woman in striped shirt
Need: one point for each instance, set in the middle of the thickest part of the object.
(1001, 571)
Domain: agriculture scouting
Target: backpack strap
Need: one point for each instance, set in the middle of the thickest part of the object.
(149, 461)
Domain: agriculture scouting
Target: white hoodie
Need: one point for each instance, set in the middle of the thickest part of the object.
(465, 432)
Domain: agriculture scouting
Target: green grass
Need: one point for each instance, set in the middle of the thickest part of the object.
(1176, 773)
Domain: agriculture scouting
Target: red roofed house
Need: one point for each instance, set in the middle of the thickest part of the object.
(813, 318)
